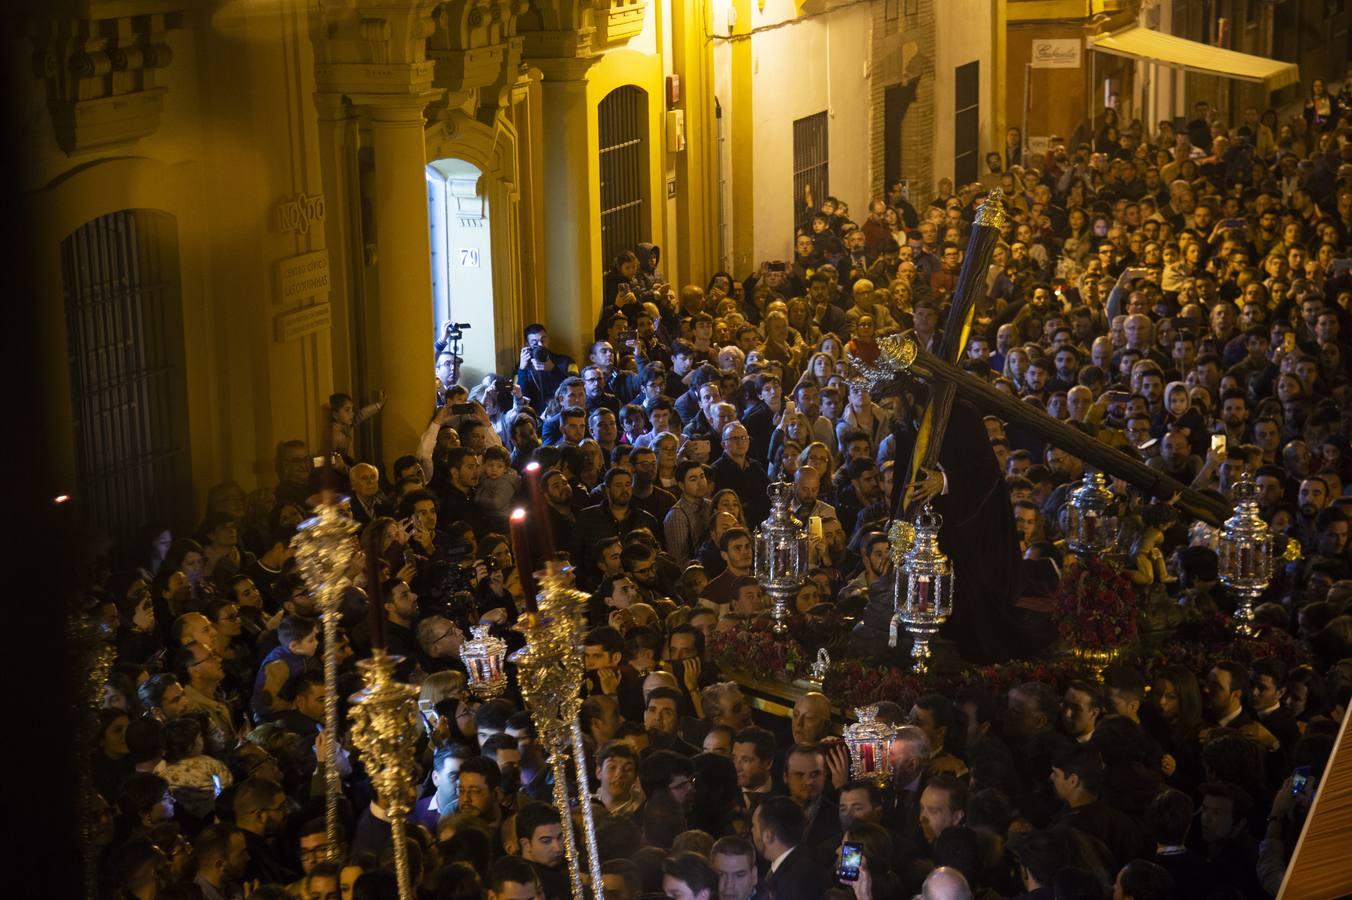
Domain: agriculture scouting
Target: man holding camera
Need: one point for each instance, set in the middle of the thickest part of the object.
(539, 370)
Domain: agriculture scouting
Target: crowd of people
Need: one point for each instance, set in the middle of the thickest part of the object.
(1181, 295)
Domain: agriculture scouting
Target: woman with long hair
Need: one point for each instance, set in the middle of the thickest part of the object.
(111, 760)
(727, 501)
(1016, 365)
(1177, 701)
(1319, 110)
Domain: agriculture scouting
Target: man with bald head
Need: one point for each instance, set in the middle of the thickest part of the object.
(807, 482)
(946, 883)
(811, 718)
(737, 471)
(367, 501)
(195, 628)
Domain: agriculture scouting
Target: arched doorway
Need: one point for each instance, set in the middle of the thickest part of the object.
(462, 250)
(622, 133)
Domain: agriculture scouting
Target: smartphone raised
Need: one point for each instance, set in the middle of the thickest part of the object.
(851, 859)
(461, 409)
(429, 714)
(1300, 776)
(1289, 342)
(1218, 443)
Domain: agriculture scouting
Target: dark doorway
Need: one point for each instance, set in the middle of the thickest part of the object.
(124, 325)
(967, 123)
(895, 101)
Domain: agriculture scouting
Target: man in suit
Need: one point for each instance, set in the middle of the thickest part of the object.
(1223, 694)
(753, 754)
(805, 777)
(777, 831)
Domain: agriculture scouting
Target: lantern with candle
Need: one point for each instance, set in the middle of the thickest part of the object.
(482, 655)
(1091, 528)
(781, 554)
(867, 740)
(923, 594)
(1245, 552)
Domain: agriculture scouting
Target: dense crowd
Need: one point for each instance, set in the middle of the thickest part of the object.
(1182, 296)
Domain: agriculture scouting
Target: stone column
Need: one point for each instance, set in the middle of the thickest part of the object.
(572, 287)
(338, 140)
(405, 331)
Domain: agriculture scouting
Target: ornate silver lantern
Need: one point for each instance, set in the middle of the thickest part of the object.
(923, 596)
(1090, 526)
(482, 656)
(1245, 552)
(867, 740)
(781, 554)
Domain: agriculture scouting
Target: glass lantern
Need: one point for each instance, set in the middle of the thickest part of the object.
(1245, 552)
(482, 656)
(781, 553)
(923, 595)
(867, 740)
(1090, 526)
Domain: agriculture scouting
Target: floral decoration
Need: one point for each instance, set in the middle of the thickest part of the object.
(1095, 606)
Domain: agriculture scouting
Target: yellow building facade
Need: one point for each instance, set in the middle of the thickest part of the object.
(245, 205)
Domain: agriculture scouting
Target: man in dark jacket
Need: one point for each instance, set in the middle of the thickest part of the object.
(614, 516)
(777, 830)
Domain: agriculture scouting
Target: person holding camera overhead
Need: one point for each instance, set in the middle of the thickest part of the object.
(539, 370)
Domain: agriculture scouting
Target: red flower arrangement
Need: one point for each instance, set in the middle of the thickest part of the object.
(1095, 606)
(758, 651)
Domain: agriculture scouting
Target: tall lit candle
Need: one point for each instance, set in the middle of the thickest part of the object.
(923, 588)
(521, 550)
(535, 481)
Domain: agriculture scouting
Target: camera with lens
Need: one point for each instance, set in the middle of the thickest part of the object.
(454, 594)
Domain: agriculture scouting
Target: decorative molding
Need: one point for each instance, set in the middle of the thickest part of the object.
(372, 47)
(99, 69)
(617, 21)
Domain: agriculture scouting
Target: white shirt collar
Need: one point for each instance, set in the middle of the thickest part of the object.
(780, 858)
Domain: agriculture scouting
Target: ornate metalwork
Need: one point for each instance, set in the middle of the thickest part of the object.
(549, 671)
(868, 741)
(992, 213)
(1245, 552)
(781, 554)
(386, 728)
(325, 547)
(482, 656)
(923, 594)
(1090, 528)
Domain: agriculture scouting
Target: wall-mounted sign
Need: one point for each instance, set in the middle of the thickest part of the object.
(1056, 53)
(299, 213)
(306, 275)
(307, 320)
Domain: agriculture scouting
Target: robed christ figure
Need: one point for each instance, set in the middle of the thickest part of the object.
(969, 491)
